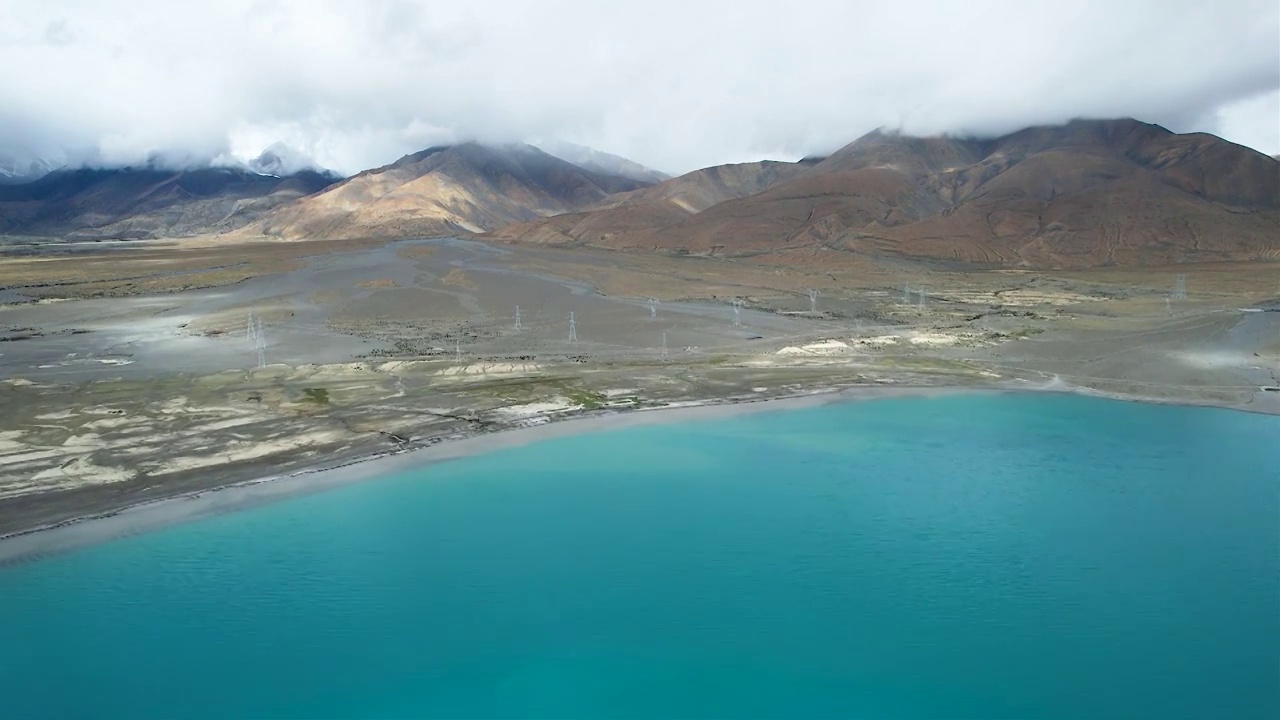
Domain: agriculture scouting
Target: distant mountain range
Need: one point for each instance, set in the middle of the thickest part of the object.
(15, 170)
(648, 210)
(133, 203)
(601, 162)
(282, 160)
(1088, 193)
(467, 188)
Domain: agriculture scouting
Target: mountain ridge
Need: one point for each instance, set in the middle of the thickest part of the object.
(1086, 193)
(147, 202)
(658, 205)
(601, 162)
(1081, 194)
(467, 188)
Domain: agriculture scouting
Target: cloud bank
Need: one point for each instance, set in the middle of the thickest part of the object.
(674, 85)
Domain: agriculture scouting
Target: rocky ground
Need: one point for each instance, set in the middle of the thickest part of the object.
(159, 389)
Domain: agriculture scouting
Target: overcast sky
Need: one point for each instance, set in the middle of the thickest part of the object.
(674, 85)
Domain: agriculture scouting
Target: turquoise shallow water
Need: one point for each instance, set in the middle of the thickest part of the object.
(966, 556)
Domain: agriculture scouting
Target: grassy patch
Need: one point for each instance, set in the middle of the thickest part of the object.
(585, 399)
(319, 396)
(416, 252)
(458, 278)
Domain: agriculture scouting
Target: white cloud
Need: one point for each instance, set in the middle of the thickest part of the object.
(675, 85)
(1254, 122)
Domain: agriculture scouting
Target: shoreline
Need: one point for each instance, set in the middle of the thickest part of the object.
(77, 532)
(42, 541)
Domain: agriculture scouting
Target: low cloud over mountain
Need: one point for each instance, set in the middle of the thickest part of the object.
(674, 86)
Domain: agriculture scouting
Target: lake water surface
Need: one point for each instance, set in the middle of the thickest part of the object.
(984, 555)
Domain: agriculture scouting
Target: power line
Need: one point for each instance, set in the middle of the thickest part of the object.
(260, 338)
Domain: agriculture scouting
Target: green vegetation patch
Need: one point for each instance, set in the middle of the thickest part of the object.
(585, 399)
(319, 396)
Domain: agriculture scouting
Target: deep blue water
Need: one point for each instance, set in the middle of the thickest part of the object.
(1027, 556)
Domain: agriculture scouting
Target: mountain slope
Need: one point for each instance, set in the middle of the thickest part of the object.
(644, 211)
(280, 160)
(1084, 194)
(443, 190)
(602, 162)
(698, 190)
(126, 203)
(16, 170)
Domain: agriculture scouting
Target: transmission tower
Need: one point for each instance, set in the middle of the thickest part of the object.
(813, 300)
(1168, 305)
(906, 294)
(249, 333)
(518, 328)
(573, 329)
(664, 346)
(921, 305)
(1180, 287)
(737, 312)
(260, 340)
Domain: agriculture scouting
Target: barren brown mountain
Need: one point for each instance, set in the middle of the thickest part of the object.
(646, 210)
(1088, 193)
(446, 190)
(127, 203)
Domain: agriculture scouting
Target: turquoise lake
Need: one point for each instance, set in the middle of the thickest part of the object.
(981, 556)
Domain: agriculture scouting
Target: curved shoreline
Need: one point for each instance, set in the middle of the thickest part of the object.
(67, 535)
(73, 533)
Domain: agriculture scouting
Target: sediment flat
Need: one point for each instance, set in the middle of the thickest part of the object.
(223, 495)
(122, 394)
